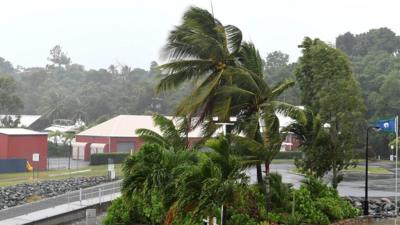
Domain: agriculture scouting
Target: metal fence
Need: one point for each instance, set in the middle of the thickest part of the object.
(83, 197)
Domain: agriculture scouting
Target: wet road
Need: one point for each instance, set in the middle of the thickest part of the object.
(379, 185)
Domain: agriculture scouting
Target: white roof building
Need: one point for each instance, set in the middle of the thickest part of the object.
(25, 120)
(126, 126)
(19, 131)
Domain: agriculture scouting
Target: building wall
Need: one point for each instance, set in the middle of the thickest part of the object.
(23, 146)
(3, 146)
(114, 141)
(105, 140)
(292, 138)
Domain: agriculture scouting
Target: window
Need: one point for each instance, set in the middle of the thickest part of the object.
(125, 146)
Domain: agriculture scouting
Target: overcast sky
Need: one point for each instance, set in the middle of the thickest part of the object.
(99, 33)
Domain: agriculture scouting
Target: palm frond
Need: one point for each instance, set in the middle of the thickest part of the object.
(251, 58)
(290, 110)
(281, 87)
(234, 38)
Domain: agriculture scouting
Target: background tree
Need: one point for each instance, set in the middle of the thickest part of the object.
(5, 66)
(10, 103)
(278, 69)
(58, 57)
(375, 61)
(329, 89)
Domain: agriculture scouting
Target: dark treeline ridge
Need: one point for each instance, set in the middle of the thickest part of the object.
(64, 90)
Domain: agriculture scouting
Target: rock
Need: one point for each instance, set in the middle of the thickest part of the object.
(386, 200)
(16, 195)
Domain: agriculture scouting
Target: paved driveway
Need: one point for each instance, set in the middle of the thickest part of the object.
(379, 186)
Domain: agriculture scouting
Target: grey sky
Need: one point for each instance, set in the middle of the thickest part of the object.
(98, 33)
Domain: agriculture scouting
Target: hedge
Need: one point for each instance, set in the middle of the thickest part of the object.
(58, 150)
(289, 155)
(102, 158)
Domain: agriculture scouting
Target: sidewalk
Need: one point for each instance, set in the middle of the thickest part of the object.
(58, 210)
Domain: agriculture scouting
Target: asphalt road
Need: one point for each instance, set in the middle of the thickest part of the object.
(379, 185)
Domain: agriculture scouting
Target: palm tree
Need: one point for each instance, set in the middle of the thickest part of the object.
(204, 51)
(257, 108)
(212, 182)
(316, 142)
(153, 168)
(68, 138)
(175, 137)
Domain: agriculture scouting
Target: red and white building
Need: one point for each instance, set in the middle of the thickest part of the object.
(291, 142)
(18, 143)
(116, 135)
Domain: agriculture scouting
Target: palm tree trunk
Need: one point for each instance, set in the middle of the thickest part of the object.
(259, 174)
(267, 164)
(223, 215)
(334, 176)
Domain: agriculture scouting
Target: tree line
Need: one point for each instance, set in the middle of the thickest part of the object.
(66, 90)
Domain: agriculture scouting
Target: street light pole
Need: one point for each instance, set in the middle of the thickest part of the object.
(225, 132)
(366, 204)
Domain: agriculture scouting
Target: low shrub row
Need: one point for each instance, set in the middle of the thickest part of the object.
(102, 158)
(58, 150)
(289, 155)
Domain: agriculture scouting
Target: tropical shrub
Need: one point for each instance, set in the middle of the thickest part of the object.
(102, 158)
(289, 155)
(279, 196)
(320, 204)
(120, 212)
(58, 150)
(304, 205)
(240, 219)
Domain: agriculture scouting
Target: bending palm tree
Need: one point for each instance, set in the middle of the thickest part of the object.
(257, 108)
(205, 51)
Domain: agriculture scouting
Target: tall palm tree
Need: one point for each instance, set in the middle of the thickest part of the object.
(171, 136)
(204, 51)
(316, 142)
(257, 107)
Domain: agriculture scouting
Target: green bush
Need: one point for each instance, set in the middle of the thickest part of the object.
(279, 196)
(295, 219)
(102, 158)
(305, 205)
(289, 155)
(320, 204)
(58, 150)
(240, 219)
(119, 212)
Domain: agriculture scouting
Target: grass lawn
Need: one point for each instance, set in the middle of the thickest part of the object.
(283, 161)
(371, 170)
(8, 179)
(361, 169)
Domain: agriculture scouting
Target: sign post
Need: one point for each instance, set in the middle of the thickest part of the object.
(35, 159)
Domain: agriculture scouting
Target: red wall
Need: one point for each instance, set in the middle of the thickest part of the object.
(114, 140)
(3, 146)
(23, 146)
(105, 140)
